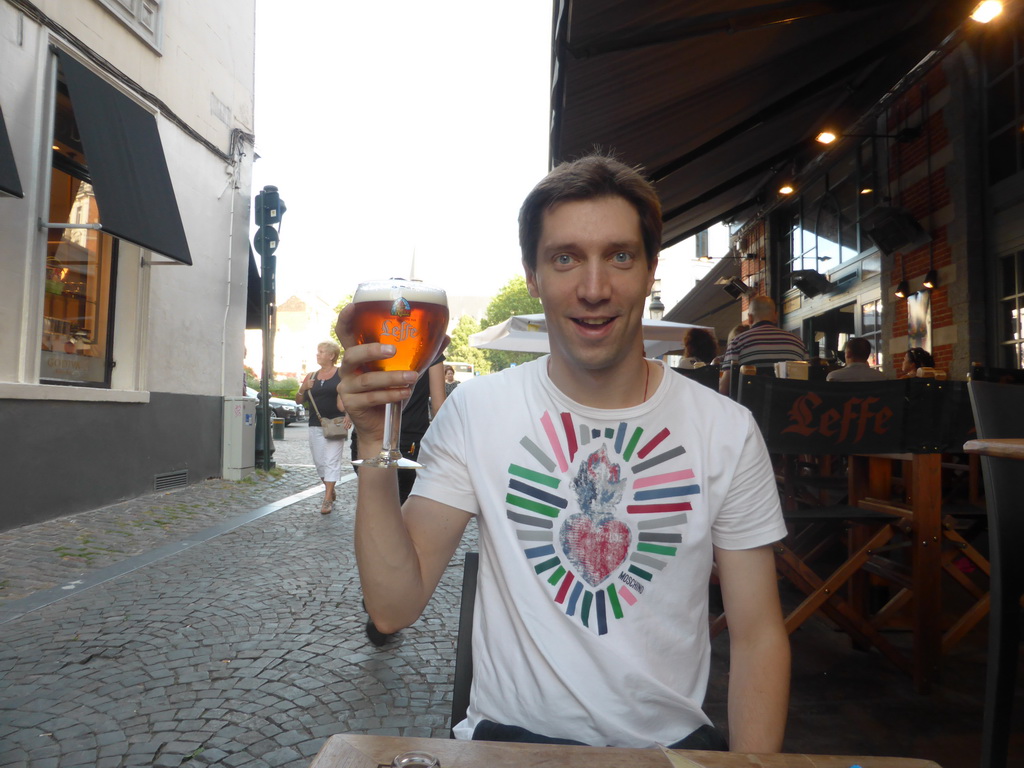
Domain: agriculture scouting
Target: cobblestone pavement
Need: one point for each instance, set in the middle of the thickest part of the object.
(246, 648)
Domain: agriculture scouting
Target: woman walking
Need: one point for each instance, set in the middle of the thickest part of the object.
(319, 393)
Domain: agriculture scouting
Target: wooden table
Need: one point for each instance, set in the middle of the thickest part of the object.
(350, 751)
(1001, 448)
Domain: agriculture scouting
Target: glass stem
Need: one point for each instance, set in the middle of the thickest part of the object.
(392, 429)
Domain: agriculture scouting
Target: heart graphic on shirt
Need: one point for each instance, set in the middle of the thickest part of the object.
(594, 547)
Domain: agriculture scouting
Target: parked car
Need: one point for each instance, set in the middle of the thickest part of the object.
(288, 410)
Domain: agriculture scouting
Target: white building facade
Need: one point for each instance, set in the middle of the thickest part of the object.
(125, 166)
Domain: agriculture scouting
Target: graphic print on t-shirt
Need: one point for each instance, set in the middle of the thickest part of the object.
(564, 497)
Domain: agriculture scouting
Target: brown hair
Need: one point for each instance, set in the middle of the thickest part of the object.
(590, 177)
(858, 349)
(700, 343)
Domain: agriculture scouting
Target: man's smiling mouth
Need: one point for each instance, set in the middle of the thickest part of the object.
(592, 322)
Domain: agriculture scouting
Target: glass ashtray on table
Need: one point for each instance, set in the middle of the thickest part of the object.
(415, 760)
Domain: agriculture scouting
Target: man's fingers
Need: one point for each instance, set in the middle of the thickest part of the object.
(368, 398)
(343, 328)
(359, 355)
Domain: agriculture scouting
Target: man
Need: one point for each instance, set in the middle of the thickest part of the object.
(856, 351)
(763, 343)
(603, 489)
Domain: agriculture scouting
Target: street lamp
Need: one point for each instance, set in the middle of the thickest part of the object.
(657, 309)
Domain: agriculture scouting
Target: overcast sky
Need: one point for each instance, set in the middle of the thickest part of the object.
(400, 128)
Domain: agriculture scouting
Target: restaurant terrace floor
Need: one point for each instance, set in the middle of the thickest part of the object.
(846, 701)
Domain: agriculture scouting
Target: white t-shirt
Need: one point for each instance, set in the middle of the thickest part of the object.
(596, 532)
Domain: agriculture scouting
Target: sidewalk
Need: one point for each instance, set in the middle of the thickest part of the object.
(218, 624)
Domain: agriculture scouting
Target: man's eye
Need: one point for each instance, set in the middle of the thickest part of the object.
(623, 257)
(563, 258)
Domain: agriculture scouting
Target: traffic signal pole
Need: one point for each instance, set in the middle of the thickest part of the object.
(267, 317)
(268, 211)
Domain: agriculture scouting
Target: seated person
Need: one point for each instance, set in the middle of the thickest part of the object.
(699, 348)
(603, 491)
(916, 359)
(857, 353)
(763, 343)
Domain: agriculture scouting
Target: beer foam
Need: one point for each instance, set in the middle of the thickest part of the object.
(384, 290)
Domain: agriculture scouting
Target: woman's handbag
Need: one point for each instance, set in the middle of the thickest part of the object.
(334, 429)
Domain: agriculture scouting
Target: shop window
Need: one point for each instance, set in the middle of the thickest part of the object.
(1003, 57)
(1010, 327)
(80, 269)
(821, 228)
(871, 329)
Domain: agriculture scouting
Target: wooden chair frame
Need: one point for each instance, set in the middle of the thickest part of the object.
(917, 428)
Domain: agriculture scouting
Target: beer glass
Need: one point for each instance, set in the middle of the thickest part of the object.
(413, 317)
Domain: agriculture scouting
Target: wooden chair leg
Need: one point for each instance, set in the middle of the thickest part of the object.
(926, 502)
(824, 595)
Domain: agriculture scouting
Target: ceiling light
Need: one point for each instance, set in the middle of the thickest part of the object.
(786, 189)
(867, 191)
(931, 279)
(902, 289)
(903, 136)
(987, 11)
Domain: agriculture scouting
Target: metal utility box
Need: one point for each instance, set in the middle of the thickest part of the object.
(239, 454)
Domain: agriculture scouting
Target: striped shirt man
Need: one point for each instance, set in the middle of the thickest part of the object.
(765, 343)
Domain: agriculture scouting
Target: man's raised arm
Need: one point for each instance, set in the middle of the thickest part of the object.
(402, 554)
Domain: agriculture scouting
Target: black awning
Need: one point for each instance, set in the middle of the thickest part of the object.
(10, 184)
(126, 164)
(708, 303)
(253, 294)
(713, 97)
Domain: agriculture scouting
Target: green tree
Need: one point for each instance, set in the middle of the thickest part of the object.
(286, 388)
(341, 305)
(513, 299)
(460, 350)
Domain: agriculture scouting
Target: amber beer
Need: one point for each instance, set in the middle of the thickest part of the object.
(411, 316)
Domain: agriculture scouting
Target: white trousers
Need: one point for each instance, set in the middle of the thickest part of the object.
(327, 454)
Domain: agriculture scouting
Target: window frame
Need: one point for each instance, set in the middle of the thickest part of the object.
(129, 293)
(1010, 309)
(802, 218)
(107, 246)
(132, 14)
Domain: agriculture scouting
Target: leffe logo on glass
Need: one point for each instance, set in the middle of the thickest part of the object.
(398, 330)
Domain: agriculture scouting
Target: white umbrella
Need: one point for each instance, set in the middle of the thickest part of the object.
(528, 333)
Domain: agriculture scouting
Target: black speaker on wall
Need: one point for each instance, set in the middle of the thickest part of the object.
(736, 288)
(811, 283)
(894, 229)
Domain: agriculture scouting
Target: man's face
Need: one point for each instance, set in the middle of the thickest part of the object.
(592, 278)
